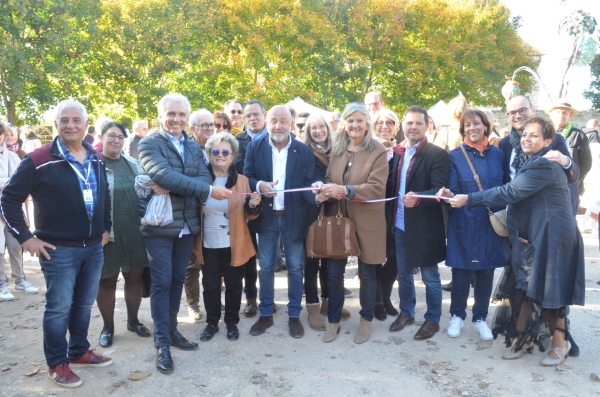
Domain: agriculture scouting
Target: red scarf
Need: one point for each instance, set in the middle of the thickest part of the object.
(481, 147)
(13, 148)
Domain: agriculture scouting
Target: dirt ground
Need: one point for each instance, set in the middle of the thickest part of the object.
(275, 364)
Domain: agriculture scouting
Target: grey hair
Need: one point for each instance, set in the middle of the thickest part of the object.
(307, 138)
(341, 139)
(162, 104)
(101, 122)
(137, 123)
(336, 115)
(67, 104)
(195, 116)
(388, 114)
(222, 137)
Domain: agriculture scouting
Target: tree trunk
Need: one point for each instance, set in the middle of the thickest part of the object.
(11, 112)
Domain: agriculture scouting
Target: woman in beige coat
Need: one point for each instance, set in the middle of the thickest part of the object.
(357, 170)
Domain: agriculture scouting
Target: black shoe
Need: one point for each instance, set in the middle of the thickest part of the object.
(232, 332)
(380, 312)
(296, 328)
(275, 307)
(164, 362)
(574, 352)
(209, 332)
(261, 325)
(347, 292)
(106, 338)
(447, 287)
(389, 307)
(178, 341)
(140, 330)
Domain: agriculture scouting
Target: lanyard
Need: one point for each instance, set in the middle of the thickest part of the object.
(85, 180)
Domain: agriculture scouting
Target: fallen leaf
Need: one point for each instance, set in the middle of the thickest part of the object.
(5, 369)
(139, 375)
(268, 355)
(35, 372)
(431, 343)
(594, 377)
(423, 362)
(562, 367)
(439, 371)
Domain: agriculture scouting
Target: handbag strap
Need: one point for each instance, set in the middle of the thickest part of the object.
(475, 176)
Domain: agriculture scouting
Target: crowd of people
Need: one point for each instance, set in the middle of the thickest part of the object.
(225, 193)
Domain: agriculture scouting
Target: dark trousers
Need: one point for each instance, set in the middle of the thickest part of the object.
(192, 281)
(168, 257)
(315, 268)
(386, 276)
(251, 273)
(217, 264)
(335, 281)
(461, 286)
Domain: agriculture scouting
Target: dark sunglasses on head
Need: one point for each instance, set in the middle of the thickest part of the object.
(219, 125)
(233, 111)
(217, 152)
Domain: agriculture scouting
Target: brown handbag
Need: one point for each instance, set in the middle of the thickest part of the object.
(332, 236)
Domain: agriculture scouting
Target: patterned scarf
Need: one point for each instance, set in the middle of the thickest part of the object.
(520, 157)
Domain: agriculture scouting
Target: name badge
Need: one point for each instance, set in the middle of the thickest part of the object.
(88, 197)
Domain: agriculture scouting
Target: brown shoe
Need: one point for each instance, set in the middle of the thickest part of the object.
(261, 325)
(400, 322)
(250, 309)
(315, 320)
(324, 306)
(345, 314)
(296, 328)
(427, 330)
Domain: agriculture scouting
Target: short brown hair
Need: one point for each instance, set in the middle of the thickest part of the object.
(548, 130)
(470, 115)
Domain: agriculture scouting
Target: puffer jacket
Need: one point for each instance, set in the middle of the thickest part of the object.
(188, 181)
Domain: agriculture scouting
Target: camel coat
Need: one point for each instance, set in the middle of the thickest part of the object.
(242, 248)
(366, 178)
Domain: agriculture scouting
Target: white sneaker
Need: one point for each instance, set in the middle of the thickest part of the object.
(456, 324)
(484, 331)
(5, 294)
(194, 313)
(24, 286)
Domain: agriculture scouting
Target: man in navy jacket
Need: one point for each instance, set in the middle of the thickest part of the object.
(67, 182)
(277, 161)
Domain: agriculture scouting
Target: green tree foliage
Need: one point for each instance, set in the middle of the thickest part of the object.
(593, 94)
(329, 52)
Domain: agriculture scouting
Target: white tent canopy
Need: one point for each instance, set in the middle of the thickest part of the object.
(301, 106)
(440, 113)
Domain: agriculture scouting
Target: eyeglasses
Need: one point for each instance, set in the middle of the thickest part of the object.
(114, 137)
(389, 123)
(217, 152)
(219, 125)
(252, 115)
(233, 111)
(300, 126)
(206, 126)
(512, 114)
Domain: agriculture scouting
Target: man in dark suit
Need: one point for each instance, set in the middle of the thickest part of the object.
(518, 110)
(418, 167)
(276, 161)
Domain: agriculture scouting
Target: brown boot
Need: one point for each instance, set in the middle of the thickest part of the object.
(345, 314)
(315, 321)
(250, 309)
(261, 325)
(324, 306)
(364, 331)
(332, 332)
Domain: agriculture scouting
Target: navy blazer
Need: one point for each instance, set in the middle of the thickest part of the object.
(300, 172)
(557, 144)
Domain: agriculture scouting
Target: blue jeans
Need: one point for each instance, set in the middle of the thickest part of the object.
(72, 275)
(461, 286)
(168, 257)
(406, 284)
(335, 283)
(268, 243)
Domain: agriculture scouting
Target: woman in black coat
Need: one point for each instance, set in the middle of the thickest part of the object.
(547, 256)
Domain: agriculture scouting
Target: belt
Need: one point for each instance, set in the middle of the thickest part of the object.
(278, 213)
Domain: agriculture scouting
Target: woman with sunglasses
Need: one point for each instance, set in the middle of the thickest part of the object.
(222, 122)
(234, 109)
(224, 245)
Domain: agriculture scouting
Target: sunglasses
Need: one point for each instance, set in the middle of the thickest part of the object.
(219, 125)
(233, 111)
(217, 152)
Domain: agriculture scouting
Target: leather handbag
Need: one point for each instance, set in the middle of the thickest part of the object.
(497, 219)
(332, 236)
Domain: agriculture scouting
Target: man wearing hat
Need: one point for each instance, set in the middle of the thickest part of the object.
(560, 113)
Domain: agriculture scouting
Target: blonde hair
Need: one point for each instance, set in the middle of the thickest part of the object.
(388, 114)
(341, 139)
(308, 139)
(458, 106)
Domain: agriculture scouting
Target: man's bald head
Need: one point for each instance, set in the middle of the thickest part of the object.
(279, 124)
(518, 110)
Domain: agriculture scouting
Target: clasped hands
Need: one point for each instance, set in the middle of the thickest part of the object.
(456, 201)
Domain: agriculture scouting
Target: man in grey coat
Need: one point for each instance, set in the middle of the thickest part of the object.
(176, 166)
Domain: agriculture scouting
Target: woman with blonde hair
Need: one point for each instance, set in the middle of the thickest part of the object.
(357, 171)
(448, 137)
